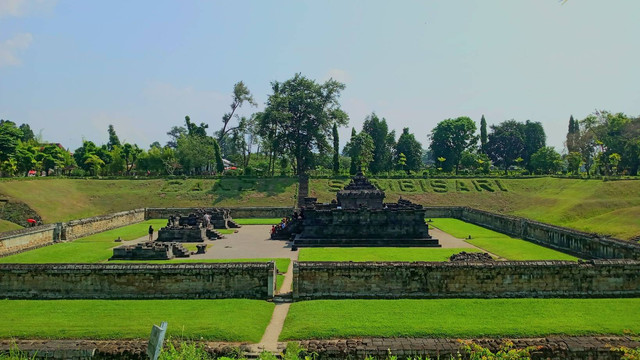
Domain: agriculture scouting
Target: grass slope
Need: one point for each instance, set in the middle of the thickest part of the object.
(499, 244)
(378, 254)
(324, 319)
(8, 226)
(223, 320)
(610, 207)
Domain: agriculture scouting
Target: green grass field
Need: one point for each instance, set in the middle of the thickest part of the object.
(378, 254)
(497, 243)
(610, 207)
(223, 320)
(258, 221)
(8, 226)
(90, 249)
(324, 319)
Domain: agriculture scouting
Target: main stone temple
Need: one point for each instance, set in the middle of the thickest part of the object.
(358, 217)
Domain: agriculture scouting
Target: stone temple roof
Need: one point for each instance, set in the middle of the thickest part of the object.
(360, 182)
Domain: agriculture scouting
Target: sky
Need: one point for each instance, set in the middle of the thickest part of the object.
(71, 68)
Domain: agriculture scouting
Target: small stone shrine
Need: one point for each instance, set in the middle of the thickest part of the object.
(359, 217)
(150, 250)
(187, 229)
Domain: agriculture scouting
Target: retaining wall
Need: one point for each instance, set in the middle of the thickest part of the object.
(508, 279)
(137, 281)
(16, 241)
(235, 212)
(581, 244)
(75, 229)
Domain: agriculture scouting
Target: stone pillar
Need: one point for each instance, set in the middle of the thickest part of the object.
(303, 189)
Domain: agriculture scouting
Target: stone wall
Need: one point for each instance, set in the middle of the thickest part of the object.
(137, 281)
(548, 348)
(235, 212)
(75, 229)
(16, 241)
(508, 279)
(581, 244)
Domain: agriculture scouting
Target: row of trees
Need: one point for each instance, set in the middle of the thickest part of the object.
(298, 132)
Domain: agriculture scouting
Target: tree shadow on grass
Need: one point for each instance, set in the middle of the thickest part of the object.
(235, 188)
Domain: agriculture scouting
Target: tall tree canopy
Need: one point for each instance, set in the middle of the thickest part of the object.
(483, 135)
(505, 143)
(113, 138)
(360, 148)
(411, 148)
(241, 94)
(534, 139)
(383, 142)
(300, 115)
(450, 138)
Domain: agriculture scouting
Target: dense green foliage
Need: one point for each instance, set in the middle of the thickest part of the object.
(323, 319)
(450, 138)
(220, 320)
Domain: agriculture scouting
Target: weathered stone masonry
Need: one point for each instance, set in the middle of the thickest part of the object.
(509, 279)
(75, 229)
(12, 242)
(581, 244)
(241, 212)
(137, 281)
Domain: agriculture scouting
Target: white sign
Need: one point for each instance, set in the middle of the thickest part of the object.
(156, 340)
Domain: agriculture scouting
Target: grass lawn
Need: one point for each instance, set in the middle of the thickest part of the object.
(497, 243)
(90, 249)
(258, 221)
(279, 281)
(8, 226)
(226, 231)
(378, 254)
(223, 320)
(324, 319)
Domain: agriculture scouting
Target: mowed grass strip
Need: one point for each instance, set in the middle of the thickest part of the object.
(379, 254)
(258, 221)
(90, 249)
(325, 319)
(220, 320)
(497, 243)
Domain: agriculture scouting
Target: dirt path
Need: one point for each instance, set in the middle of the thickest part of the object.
(269, 340)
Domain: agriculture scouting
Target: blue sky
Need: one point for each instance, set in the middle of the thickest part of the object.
(71, 68)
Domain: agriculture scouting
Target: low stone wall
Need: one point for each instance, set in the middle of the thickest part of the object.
(235, 212)
(75, 229)
(508, 279)
(548, 348)
(581, 244)
(137, 281)
(12, 242)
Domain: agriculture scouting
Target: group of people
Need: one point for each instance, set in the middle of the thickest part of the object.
(286, 220)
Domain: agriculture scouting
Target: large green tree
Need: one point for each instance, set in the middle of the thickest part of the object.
(505, 143)
(241, 94)
(383, 142)
(411, 148)
(360, 148)
(546, 161)
(300, 114)
(450, 138)
(534, 139)
(113, 138)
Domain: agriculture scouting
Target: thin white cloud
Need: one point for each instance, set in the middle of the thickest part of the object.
(19, 8)
(10, 48)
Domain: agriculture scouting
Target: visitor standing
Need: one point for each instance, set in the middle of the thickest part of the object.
(150, 232)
